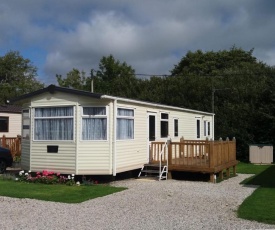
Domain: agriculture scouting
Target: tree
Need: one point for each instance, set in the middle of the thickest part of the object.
(116, 78)
(244, 101)
(112, 77)
(75, 79)
(17, 76)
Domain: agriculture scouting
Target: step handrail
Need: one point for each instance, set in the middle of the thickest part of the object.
(168, 141)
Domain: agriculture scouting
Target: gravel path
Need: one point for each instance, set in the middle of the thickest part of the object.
(167, 204)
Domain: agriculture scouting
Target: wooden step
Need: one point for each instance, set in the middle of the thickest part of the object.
(153, 165)
(150, 171)
(154, 170)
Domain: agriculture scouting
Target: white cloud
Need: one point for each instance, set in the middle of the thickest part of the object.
(152, 36)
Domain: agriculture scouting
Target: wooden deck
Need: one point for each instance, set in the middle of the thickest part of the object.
(197, 156)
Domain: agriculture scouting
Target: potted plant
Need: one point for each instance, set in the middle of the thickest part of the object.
(16, 162)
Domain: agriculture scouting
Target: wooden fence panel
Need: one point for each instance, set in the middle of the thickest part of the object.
(13, 144)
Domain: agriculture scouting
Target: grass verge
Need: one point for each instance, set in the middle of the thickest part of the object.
(247, 168)
(260, 205)
(56, 193)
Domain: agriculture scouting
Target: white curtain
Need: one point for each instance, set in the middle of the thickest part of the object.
(94, 110)
(94, 123)
(94, 129)
(125, 124)
(54, 123)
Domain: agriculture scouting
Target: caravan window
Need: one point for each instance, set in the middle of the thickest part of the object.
(4, 124)
(125, 124)
(53, 123)
(208, 130)
(176, 127)
(94, 123)
(164, 118)
(26, 124)
(198, 128)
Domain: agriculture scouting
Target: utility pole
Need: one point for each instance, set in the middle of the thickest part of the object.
(92, 85)
(92, 80)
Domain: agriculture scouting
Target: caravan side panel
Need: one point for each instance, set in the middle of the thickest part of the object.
(132, 154)
(25, 154)
(94, 156)
(64, 160)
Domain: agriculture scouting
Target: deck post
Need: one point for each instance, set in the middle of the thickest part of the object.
(169, 153)
(150, 153)
(4, 141)
(169, 147)
(169, 175)
(211, 154)
(228, 172)
(182, 147)
(228, 149)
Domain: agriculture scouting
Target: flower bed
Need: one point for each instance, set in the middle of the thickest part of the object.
(45, 177)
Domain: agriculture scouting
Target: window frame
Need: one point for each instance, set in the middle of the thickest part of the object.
(198, 127)
(164, 121)
(96, 116)
(8, 124)
(125, 117)
(176, 127)
(57, 117)
(205, 131)
(209, 128)
(26, 124)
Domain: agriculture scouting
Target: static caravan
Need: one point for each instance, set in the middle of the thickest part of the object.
(71, 131)
(10, 120)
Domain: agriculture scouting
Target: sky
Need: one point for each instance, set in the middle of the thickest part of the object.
(150, 35)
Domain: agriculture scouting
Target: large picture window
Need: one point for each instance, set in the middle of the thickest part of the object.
(4, 124)
(125, 124)
(53, 123)
(164, 118)
(94, 123)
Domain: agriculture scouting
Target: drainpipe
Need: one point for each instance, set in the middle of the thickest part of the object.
(76, 135)
(114, 136)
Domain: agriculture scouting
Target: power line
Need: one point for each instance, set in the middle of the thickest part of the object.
(205, 75)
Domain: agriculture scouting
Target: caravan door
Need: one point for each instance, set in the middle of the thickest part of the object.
(151, 134)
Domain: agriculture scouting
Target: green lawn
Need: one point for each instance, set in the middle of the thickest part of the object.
(260, 206)
(56, 193)
(247, 168)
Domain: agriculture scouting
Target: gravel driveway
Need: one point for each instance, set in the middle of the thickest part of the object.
(167, 204)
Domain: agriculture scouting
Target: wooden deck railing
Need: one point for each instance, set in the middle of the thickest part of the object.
(197, 156)
(12, 143)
